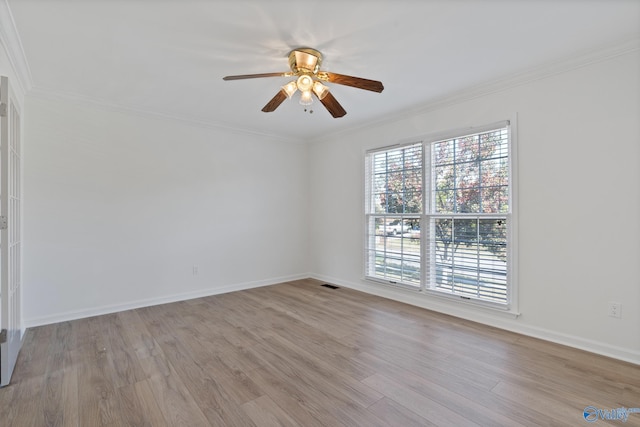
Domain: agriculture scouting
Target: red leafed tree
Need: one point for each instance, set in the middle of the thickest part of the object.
(399, 183)
(471, 176)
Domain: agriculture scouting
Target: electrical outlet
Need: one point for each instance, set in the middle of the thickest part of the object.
(615, 309)
(195, 270)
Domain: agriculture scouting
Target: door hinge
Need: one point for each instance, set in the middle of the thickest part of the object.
(3, 110)
(3, 223)
(3, 336)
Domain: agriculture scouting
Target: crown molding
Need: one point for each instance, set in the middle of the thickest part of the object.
(82, 100)
(10, 39)
(550, 69)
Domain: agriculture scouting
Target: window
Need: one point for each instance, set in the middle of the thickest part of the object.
(453, 237)
(393, 215)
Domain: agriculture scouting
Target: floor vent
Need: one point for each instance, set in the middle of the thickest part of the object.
(326, 285)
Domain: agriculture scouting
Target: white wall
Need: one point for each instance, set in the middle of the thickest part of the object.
(579, 203)
(120, 207)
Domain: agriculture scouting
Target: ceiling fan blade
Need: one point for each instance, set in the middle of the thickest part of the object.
(256, 76)
(332, 104)
(358, 82)
(275, 102)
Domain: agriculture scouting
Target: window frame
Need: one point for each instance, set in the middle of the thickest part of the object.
(426, 287)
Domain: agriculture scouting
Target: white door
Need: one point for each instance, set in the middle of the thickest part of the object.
(10, 232)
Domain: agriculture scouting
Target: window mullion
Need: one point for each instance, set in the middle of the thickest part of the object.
(428, 201)
(455, 175)
(478, 257)
(480, 186)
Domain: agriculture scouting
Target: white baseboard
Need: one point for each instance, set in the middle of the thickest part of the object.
(488, 317)
(148, 302)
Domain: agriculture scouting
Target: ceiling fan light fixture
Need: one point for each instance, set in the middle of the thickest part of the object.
(290, 88)
(320, 90)
(305, 65)
(305, 98)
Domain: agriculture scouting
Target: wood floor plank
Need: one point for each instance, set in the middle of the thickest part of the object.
(69, 399)
(137, 335)
(293, 398)
(176, 403)
(128, 369)
(325, 374)
(6, 402)
(206, 393)
(62, 344)
(435, 412)
(314, 316)
(298, 353)
(52, 411)
(449, 392)
(34, 355)
(98, 403)
(60, 380)
(469, 394)
(157, 365)
(265, 413)
(395, 414)
(345, 401)
(139, 406)
(554, 406)
(321, 344)
(236, 382)
(26, 405)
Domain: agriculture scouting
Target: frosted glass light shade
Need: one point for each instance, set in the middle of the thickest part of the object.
(290, 88)
(320, 90)
(305, 83)
(305, 98)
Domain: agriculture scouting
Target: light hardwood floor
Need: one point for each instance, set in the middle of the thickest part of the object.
(299, 354)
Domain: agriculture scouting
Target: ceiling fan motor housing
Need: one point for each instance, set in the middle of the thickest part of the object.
(305, 60)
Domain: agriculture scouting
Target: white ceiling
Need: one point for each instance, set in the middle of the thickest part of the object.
(168, 57)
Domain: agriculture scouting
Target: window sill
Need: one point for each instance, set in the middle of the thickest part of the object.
(438, 301)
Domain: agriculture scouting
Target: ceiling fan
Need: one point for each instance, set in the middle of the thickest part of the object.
(305, 66)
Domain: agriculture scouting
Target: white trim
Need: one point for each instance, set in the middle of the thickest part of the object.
(401, 285)
(462, 299)
(550, 69)
(10, 39)
(512, 237)
(495, 318)
(399, 145)
(81, 100)
(148, 302)
(440, 136)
